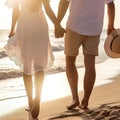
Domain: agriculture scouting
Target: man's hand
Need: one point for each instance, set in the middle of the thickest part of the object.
(59, 31)
(110, 29)
(111, 17)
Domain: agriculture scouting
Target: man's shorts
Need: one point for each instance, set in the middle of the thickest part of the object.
(74, 40)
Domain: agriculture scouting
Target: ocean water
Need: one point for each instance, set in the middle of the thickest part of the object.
(11, 83)
(8, 69)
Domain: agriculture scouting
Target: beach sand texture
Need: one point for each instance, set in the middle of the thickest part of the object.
(104, 103)
(105, 99)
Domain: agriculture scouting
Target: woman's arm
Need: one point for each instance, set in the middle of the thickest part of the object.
(15, 14)
(111, 17)
(49, 12)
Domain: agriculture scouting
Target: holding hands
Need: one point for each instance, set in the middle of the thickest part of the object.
(59, 31)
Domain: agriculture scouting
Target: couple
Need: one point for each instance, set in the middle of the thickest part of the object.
(30, 48)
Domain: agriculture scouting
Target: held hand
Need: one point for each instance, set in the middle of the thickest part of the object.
(59, 31)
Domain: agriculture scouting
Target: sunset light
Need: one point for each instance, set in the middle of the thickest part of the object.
(57, 66)
(5, 14)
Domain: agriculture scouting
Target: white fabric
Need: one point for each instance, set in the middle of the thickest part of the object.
(86, 16)
(30, 47)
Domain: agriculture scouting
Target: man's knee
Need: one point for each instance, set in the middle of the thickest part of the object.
(70, 60)
(89, 61)
(89, 58)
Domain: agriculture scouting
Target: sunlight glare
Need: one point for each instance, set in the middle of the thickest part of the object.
(5, 16)
(55, 87)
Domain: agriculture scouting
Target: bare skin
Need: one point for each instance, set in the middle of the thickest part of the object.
(89, 79)
(89, 60)
(34, 104)
(38, 81)
(72, 75)
(28, 86)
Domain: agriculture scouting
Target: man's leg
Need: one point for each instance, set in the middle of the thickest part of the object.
(72, 75)
(89, 78)
(73, 41)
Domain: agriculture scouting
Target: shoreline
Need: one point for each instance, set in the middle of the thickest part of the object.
(10, 70)
(103, 94)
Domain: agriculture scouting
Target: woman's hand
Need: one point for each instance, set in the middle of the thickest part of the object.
(11, 33)
(59, 31)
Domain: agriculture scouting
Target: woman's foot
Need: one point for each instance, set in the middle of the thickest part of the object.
(35, 109)
(73, 105)
(30, 105)
(28, 109)
(30, 117)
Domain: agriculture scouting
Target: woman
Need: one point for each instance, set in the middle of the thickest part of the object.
(29, 45)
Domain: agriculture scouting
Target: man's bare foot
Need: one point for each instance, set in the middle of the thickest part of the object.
(73, 105)
(83, 105)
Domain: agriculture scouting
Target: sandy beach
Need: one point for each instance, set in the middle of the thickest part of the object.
(104, 103)
(105, 99)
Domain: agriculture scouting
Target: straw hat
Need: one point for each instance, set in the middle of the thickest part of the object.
(112, 44)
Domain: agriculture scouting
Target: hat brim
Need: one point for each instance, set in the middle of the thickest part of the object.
(108, 42)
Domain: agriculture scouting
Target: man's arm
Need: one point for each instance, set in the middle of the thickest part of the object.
(111, 17)
(62, 8)
(53, 18)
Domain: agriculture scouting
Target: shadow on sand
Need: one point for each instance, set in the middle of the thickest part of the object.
(110, 111)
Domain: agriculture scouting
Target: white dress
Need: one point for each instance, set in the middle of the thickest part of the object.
(30, 47)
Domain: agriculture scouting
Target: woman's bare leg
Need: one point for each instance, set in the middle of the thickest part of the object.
(38, 81)
(28, 87)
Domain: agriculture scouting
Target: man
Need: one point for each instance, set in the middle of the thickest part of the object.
(84, 26)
